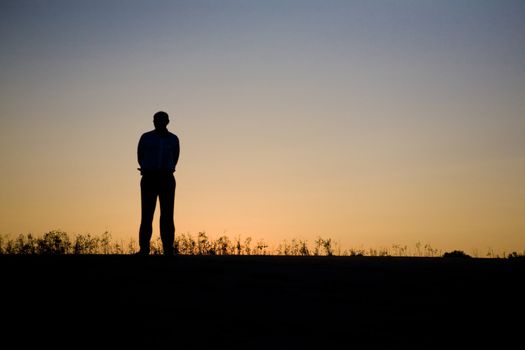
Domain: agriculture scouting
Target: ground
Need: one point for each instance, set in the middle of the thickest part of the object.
(260, 302)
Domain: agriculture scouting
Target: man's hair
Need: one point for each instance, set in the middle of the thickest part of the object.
(161, 116)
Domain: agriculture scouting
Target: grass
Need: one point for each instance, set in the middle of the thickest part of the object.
(58, 242)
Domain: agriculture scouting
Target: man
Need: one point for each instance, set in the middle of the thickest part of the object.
(158, 154)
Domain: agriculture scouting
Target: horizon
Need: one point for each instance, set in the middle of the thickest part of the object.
(372, 123)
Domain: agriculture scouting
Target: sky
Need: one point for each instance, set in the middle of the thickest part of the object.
(374, 123)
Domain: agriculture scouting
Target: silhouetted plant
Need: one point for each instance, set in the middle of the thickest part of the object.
(185, 244)
(118, 249)
(356, 252)
(105, 243)
(247, 246)
(429, 251)
(303, 248)
(260, 248)
(375, 252)
(132, 246)
(456, 254)
(54, 242)
(203, 244)
(23, 245)
(327, 245)
(238, 246)
(156, 247)
(3, 244)
(400, 250)
(85, 244)
(418, 249)
(317, 247)
(515, 255)
(223, 246)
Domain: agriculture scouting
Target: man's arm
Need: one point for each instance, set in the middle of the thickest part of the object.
(140, 151)
(176, 152)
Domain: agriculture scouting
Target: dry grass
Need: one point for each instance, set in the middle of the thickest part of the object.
(59, 242)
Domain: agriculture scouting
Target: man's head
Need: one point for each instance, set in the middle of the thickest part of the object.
(161, 120)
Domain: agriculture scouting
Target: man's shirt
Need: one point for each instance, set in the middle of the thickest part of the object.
(158, 151)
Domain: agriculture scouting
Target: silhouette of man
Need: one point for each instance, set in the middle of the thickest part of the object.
(158, 154)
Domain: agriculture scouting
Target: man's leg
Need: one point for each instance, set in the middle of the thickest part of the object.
(167, 202)
(148, 196)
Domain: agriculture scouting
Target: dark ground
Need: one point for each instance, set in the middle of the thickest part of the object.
(191, 302)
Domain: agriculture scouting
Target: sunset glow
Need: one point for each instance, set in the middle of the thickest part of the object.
(370, 122)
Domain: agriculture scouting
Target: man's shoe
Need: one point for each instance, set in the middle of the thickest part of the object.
(169, 252)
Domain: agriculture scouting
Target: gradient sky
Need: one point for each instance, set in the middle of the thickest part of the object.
(371, 122)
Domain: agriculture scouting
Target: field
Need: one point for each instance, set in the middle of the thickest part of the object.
(260, 302)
